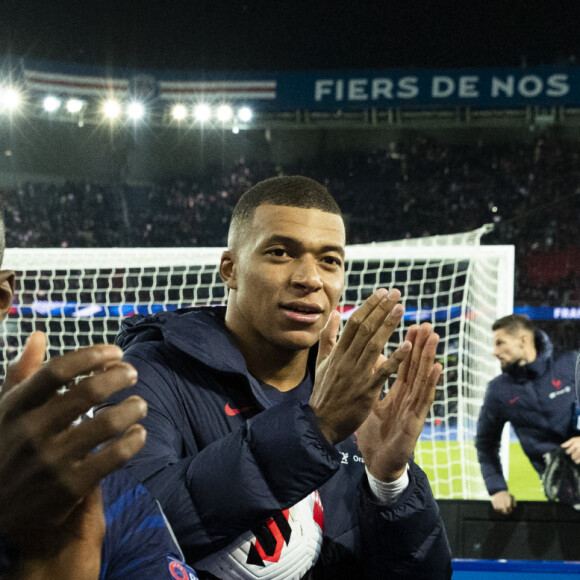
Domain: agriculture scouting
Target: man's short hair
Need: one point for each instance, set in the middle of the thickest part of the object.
(287, 190)
(513, 323)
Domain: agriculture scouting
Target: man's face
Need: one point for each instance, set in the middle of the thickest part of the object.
(508, 348)
(287, 277)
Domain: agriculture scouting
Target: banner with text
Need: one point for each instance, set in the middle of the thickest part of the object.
(428, 89)
(278, 91)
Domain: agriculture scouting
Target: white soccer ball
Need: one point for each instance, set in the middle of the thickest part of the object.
(283, 548)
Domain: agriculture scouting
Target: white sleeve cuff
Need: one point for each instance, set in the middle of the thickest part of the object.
(388, 492)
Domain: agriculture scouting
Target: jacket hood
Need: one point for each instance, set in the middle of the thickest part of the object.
(544, 352)
(197, 332)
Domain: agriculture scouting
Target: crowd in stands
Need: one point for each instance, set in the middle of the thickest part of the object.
(409, 189)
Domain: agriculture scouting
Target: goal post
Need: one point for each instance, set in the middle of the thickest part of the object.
(80, 296)
(461, 290)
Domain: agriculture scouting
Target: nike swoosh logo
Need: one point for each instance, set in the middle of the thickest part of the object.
(233, 412)
(512, 401)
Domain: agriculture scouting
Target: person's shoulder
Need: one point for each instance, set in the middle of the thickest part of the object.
(120, 486)
(567, 357)
(564, 365)
(497, 391)
(151, 352)
(498, 382)
(139, 541)
(130, 509)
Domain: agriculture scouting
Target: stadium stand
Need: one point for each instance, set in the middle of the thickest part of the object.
(410, 189)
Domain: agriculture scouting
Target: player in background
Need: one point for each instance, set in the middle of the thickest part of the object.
(59, 519)
(535, 393)
(253, 409)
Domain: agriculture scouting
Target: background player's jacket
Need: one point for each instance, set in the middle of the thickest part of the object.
(538, 399)
(138, 543)
(221, 458)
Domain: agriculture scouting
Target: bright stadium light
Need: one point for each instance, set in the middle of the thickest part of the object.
(245, 114)
(179, 112)
(74, 106)
(224, 113)
(10, 99)
(135, 110)
(51, 104)
(111, 109)
(202, 112)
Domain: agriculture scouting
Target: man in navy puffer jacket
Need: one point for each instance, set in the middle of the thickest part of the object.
(261, 423)
(535, 393)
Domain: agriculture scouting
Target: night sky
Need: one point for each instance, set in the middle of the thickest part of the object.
(292, 35)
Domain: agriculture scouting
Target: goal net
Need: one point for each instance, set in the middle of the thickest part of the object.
(80, 296)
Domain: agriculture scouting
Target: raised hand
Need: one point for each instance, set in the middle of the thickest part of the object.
(350, 373)
(389, 434)
(572, 447)
(28, 363)
(47, 465)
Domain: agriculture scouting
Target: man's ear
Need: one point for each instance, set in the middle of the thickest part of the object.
(7, 286)
(532, 339)
(228, 270)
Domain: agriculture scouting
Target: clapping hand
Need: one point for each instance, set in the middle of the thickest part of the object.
(388, 436)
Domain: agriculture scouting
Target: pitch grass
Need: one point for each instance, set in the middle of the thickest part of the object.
(446, 477)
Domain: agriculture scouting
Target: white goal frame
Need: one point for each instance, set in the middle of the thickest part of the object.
(446, 450)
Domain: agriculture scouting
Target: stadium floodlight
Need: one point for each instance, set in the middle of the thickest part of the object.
(111, 108)
(224, 113)
(245, 114)
(10, 98)
(202, 112)
(51, 104)
(135, 110)
(179, 112)
(74, 106)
